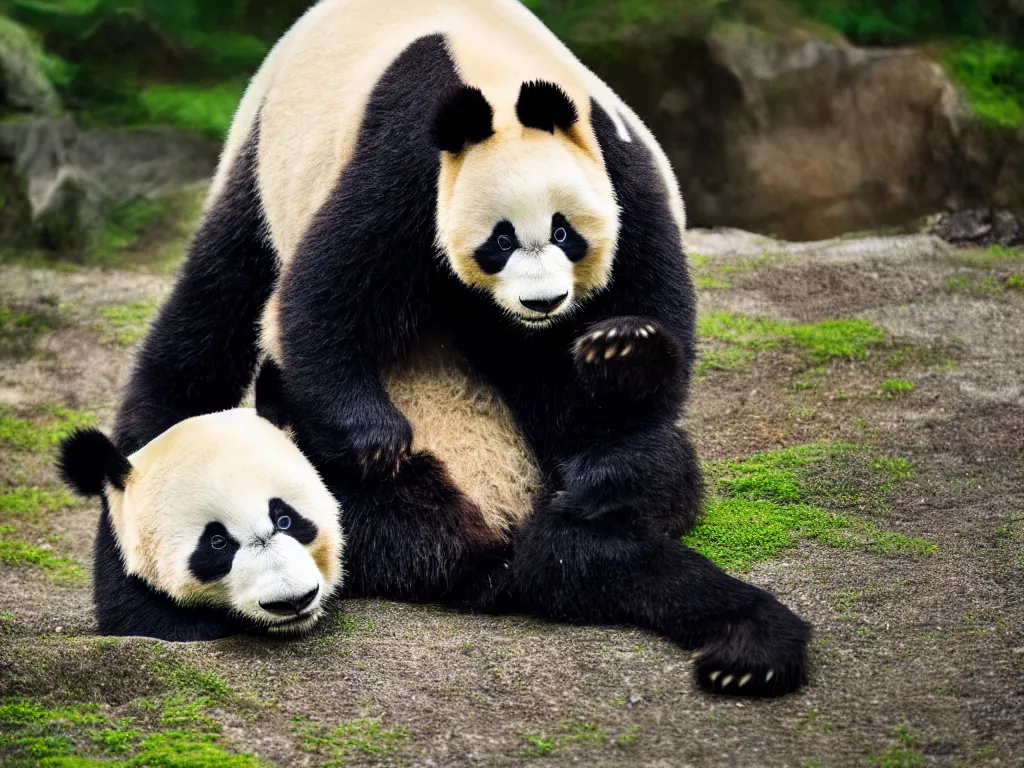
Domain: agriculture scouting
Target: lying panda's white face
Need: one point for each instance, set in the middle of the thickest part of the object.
(224, 510)
(530, 217)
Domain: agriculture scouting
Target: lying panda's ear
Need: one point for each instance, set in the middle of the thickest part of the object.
(545, 106)
(463, 118)
(89, 460)
(270, 398)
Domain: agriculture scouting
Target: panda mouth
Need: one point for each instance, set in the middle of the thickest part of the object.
(295, 624)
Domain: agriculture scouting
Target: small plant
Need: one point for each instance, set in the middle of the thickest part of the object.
(897, 387)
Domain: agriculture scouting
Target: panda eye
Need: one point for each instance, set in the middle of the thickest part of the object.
(218, 542)
(284, 523)
(505, 242)
(560, 234)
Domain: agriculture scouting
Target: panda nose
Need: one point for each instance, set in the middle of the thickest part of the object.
(291, 605)
(544, 305)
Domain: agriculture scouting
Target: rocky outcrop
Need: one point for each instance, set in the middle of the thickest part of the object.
(806, 138)
(25, 87)
(70, 177)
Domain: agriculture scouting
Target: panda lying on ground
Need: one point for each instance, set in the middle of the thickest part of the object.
(466, 253)
(218, 526)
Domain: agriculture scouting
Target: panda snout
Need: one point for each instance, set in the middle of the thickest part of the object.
(292, 605)
(544, 306)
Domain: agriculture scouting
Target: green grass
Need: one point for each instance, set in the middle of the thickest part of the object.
(991, 75)
(365, 737)
(20, 329)
(903, 756)
(1015, 282)
(768, 503)
(42, 433)
(574, 732)
(742, 336)
(16, 552)
(126, 324)
(987, 258)
(974, 285)
(201, 109)
(25, 502)
(897, 386)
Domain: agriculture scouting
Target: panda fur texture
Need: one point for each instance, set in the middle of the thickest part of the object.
(467, 255)
(217, 526)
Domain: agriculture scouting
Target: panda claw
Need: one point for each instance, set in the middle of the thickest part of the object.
(768, 677)
(610, 352)
(714, 675)
(626, 350)
(726, 680)
(591, 356)
(745, 679)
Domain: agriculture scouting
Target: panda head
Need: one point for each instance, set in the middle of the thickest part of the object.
(526, 212)
(221, 510)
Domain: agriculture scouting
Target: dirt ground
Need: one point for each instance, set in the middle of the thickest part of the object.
(917, 660)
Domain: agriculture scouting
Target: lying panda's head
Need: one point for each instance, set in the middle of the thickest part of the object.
(526, 212)
(220, 510)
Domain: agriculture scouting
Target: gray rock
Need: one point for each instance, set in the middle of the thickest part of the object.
(25, 88)
(807, 138)
(71, 176)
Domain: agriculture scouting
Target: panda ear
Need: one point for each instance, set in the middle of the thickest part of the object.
(270, 398)
(545, 106)
(89, 460)
(463, 118)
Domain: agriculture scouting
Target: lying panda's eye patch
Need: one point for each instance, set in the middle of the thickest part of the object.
(288, 521)
(572, 243)
(213, 555)
(494, 254)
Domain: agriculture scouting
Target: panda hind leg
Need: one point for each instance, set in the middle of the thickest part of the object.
(613, 571)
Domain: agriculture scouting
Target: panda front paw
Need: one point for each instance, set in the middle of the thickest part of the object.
(626, 356)
(381, 444)
(764, 655)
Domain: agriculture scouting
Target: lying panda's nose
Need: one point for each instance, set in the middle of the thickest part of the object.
(291, 605)
(544, 305)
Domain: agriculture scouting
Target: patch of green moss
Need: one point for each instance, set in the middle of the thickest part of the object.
(1015, 282)
(727, 359)
(573, 732)
(973, 285)
(903, 756)
(20, 553)
(31, 502)
(820, 342)
(768, 503)
(897, 386)
(186, 749)
(126, 324)
(987, 258)
(41, 433)
(21, 327)
(365, 736)
(203, 109)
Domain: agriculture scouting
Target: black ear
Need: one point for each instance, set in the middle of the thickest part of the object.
(463, 118)
(88, 460)
(270, 399)
(545, 106)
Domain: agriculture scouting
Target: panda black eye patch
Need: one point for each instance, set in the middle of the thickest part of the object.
(494, 254)
(214, 554)
(288, 521)
(572, 243)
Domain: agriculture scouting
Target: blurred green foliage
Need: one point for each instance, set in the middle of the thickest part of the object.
(184, 62)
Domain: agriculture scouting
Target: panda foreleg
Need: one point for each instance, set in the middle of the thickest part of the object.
(617, 570)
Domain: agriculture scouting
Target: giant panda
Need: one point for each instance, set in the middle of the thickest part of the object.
(217, 526)
(466, 254)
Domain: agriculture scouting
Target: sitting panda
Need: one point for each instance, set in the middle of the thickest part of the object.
(466, 254)
(217, 526)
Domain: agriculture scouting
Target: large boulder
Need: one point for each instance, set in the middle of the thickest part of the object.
(69, 177)
(24, 86)
(806, 137)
